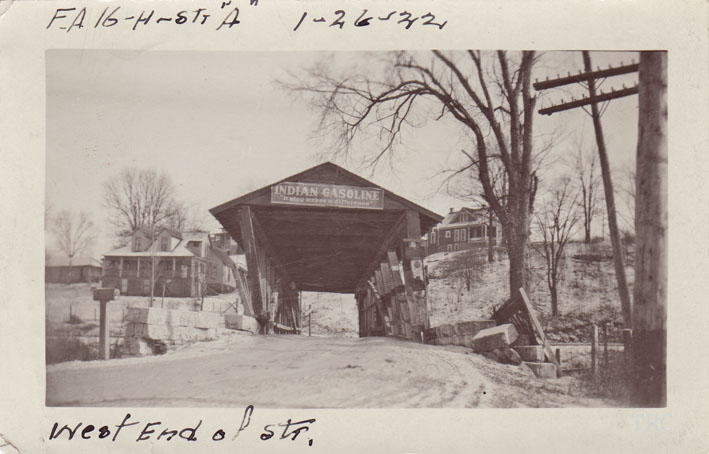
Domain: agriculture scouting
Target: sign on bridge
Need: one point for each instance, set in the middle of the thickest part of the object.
(327, 195)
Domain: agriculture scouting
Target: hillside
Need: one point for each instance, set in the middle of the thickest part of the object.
(332, 314)
(588, 293)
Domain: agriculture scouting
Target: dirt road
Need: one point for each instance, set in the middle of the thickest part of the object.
(304, 372)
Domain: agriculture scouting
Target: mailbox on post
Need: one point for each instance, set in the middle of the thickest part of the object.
(103, 296)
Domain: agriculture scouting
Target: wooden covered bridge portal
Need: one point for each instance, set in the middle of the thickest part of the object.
(329, 230)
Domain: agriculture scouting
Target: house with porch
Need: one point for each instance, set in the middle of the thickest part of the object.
(466, 228)
(179, 264)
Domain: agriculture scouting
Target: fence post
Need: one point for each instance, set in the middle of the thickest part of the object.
(594, 354)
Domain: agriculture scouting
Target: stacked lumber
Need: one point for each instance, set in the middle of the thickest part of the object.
(391, 302)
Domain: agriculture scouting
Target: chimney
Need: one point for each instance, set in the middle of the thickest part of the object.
(451, 210)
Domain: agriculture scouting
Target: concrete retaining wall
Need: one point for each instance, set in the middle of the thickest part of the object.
(461, 333)
(241, 323)
(152, 330)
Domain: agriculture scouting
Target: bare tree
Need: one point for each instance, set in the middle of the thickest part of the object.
(140, 198)
(465, 265)
(189, 218)
(488, 94)
(74, 233)
(556, 223)
(588, 179)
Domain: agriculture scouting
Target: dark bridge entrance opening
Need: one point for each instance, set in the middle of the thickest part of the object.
(329, 230)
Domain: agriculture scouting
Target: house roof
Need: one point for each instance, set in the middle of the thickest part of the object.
(239, 260)
(145, 231)
(76, 261)
(452, 217)
(179, 251)
(195, 236)
(221, 255)
(173, 233)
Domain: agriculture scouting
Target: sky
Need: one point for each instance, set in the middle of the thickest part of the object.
(220, 125)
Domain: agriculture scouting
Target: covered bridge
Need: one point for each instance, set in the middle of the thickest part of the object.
(329, 230)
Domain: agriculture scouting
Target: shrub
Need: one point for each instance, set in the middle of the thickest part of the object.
(67, 348)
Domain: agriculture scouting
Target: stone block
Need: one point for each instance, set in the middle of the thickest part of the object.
(152, 315)
(510, 356)
(522, 340)
(497, 337)
(429, 335)
(466, 340)
(130, 329)
(156, 332)
(207, 320)
(445, 331)
(531, 353)
(137, 346)
(444, 340)
(241, 322)
(542, 370)
(473, 327)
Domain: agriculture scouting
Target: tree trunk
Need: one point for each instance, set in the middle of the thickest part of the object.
(649, 344)
(587, 233)
(554, 301)
(152, 279)
(517, 253)
(490, 239)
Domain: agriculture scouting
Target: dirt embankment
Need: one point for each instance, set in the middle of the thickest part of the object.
(588, 292)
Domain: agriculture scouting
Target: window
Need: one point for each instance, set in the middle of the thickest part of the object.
(463, 234)
(493, 231)
(137, 244)
(476, 232)
(456, 236)
(448, 233)
(449, 248)
(164, 243)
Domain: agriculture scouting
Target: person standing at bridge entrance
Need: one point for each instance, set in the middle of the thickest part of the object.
(263, 322)
(273, 310)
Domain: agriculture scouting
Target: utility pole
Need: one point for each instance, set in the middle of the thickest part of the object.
(649, 337)
(590, 77)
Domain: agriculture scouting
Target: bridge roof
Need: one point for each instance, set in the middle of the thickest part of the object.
(325, 248)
